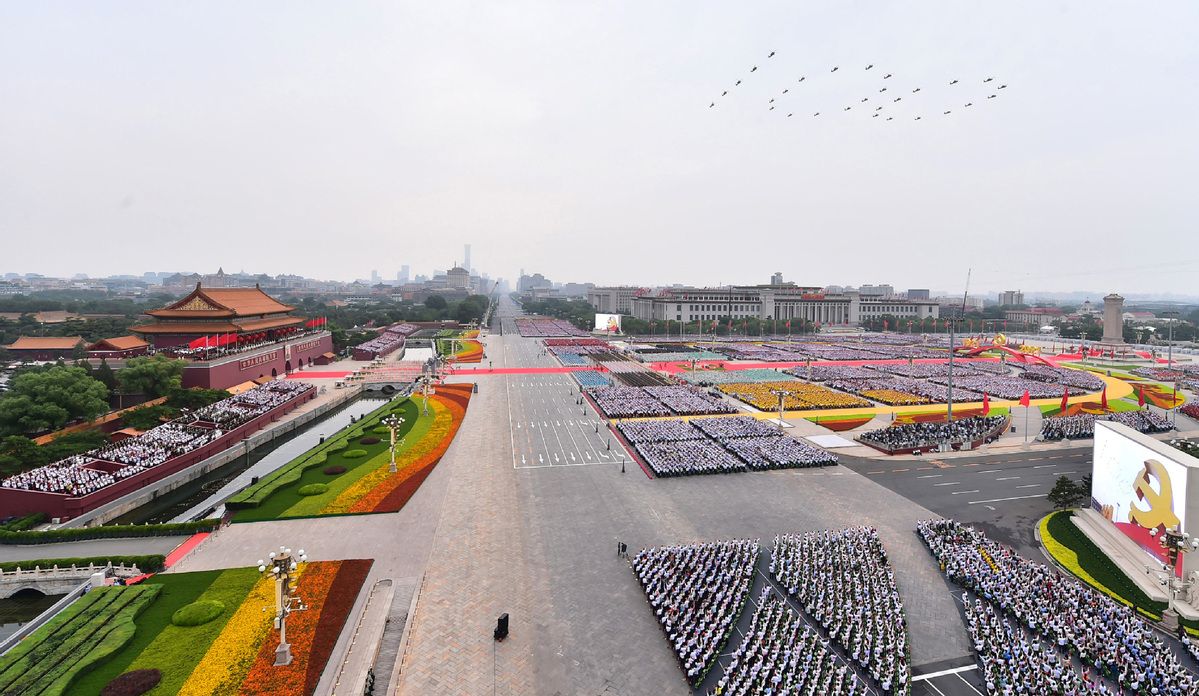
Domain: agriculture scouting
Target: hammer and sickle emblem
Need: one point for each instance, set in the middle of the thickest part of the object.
(1161, 505)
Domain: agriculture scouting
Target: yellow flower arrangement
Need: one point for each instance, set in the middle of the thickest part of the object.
(232, 654)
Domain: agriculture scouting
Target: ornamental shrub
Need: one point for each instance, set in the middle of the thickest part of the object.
(333, 470)
(197, 613)
(134, 683)
(312, 489)
(370, 440)
(354, 454)
(382, 430)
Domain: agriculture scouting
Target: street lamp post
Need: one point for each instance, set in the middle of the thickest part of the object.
(781, 394)
(1175, 542)
(393, 423)
(282, 565)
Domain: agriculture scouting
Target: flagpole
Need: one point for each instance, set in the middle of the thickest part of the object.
(1026, 424)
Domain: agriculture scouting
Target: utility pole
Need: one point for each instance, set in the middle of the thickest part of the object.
(952, 336)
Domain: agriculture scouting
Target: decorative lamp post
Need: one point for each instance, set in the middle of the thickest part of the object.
(282, 565)
(781, 394)
(1175, 542)
(392, 423)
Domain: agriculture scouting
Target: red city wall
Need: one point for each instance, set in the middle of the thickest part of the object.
(21, 502)
(271, 361)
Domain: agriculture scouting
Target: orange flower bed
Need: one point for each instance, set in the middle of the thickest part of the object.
(471, 352)
(840, 426)
(937, 417)
(330, 588)
(391, 494)
(1156, 394)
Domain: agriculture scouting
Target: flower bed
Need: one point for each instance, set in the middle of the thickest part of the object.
(803, 396)
(368, 484)
(226, 654)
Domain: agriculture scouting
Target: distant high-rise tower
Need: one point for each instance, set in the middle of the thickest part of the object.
(375, 277)
(466, 258)
(404, 270)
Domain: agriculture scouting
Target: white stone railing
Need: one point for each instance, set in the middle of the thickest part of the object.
(55, 572)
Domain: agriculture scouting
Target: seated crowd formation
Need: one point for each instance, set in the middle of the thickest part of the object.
(1070, 618)
(781, 655)
(86, 473)
(629, 402)
(1082, 425)
(843, 579)
(904, 436)
(697, 593)
(718, 445)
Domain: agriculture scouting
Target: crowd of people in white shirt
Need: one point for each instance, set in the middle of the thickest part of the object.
(1070, 617)
(697, 593)
(928, 435)
(843, 579)
(1012, 663)
(781, 655)
(85, 473)
(717, 446)
(1082, 425)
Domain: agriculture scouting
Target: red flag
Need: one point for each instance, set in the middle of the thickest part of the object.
(730, 323)
(1103, 400)
(788, 324)
(196, 342)
(1065, 401)
(986, 403)
(1141, 396)
(884, 324)
(1024, 400)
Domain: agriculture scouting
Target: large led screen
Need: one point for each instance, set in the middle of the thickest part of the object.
(1137, 488)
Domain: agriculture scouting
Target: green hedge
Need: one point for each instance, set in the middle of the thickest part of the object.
(253, 496)
(312, 489)
(150, 564)
(354, 454)
(27, 522)
(1097, 564)
(116, 531)
(84, 634)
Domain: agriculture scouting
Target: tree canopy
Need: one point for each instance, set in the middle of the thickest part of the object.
(155, 375)
(48, 399)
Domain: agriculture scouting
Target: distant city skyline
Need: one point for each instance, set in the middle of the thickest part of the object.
(567, 138)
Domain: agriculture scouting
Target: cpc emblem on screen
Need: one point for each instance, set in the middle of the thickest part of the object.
(1160, 500)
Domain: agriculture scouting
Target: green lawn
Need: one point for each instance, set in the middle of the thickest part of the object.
(178, 589)
(176, 650)
(285, 501)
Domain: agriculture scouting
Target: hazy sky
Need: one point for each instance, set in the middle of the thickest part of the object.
(575, 139)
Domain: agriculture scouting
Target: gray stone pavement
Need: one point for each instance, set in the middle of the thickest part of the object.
(98, 547)
(540, 545)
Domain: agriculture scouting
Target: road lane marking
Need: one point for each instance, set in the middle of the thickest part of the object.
(930, 476)
(1006, 478)
(1000, 500)
(963, 492)
(1029, 485)
(948, 483)
(1044, 466)
(942, 673)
